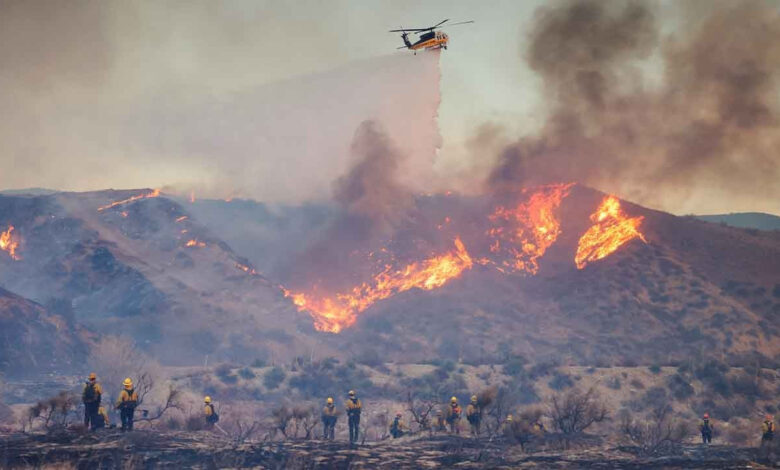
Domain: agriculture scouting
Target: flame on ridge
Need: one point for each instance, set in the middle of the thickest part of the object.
(333, 313)
(153, 193)
(9, 243)
(195, 243)
(611, 229)
(522, 234)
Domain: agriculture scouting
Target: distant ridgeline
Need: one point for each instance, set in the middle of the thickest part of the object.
(756, 220)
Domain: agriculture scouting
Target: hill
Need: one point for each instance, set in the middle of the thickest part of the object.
(754, 220)
(560, 271)
(134, 264)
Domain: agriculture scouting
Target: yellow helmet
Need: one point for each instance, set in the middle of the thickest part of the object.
(207, 399)
(330, 400)
(92, 376)
(509, 417)
(352, 393)
(454, 400)
(473, 398)
(128, 383)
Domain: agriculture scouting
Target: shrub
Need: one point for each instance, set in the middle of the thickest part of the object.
(560, 381)
(637, 384)
(680, 387)
(657, 433)
(575, 411)
(274, 377)
(246, 373)
(259, 363)
(655, 369)
(613, 383)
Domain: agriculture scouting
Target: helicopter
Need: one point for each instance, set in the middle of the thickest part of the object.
(429, 38)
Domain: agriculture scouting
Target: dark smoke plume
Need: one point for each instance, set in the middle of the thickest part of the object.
(711, 124)
(371, 201)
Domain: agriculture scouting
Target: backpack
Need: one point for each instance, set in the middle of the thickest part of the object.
(213, 417)
(89, 393)
(132, 399)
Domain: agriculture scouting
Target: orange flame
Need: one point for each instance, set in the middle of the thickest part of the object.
(154, 193)
(196, 243)
(192, 196)
(246, 269)
(179, 219)
(335, 313)
(9, 243)
(527, 231)
(611, 229)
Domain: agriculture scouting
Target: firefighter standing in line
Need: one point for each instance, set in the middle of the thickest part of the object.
(354, 407)
(91, 397)
(211, 415)
(397, 427)
(474, 415)
(767, 431)
(329, 418)
(454, 417)
(706, 429)
(126, 403)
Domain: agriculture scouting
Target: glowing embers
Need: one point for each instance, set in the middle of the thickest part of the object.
(9, 242)
(520, 235)
(153, 193)
(195, 243)
(334, 312)
(611, 229)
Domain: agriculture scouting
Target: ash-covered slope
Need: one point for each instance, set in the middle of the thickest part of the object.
(33, 338)
(145, 268)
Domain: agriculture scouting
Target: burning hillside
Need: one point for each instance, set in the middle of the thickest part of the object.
(9, 242)
(516, 236)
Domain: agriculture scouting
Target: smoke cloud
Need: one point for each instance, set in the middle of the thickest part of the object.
(709, 127)
(372, 199)
(196, 95)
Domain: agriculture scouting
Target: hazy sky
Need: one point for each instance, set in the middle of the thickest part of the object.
(97, 94)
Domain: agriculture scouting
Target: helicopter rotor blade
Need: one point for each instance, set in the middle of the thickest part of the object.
(462, 22)
(440, 23)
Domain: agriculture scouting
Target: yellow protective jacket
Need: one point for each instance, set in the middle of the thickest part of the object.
(329, 411)
(208, 410)
(472, 410)
(767, 427)
(96, 395)
(438, 423)
(127, 398)
(353, 406)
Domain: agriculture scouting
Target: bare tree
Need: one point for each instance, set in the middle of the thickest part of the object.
(304, 417)
(172, 401)
(114, 358)
(574, 411)
(496, 410)
(52, 412)
(381, 425)
(658, 433)
(282, 416)
(420, 409)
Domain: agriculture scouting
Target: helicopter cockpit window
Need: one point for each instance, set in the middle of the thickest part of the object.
(427, 36)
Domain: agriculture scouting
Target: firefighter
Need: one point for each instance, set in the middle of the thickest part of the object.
(103, 421)
(438, 424)
(706, 429)
(354, 407)
(507, 424)
(126, 403)
(453, 419)
(397, 427)
(474, 415)
(210, 413)
(767, 430)
(91, 396)
(329, 418)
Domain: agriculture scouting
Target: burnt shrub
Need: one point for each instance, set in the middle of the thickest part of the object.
(637, 384)
(274, 377)
(680, 387)
(246, 373)
(560, 381)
